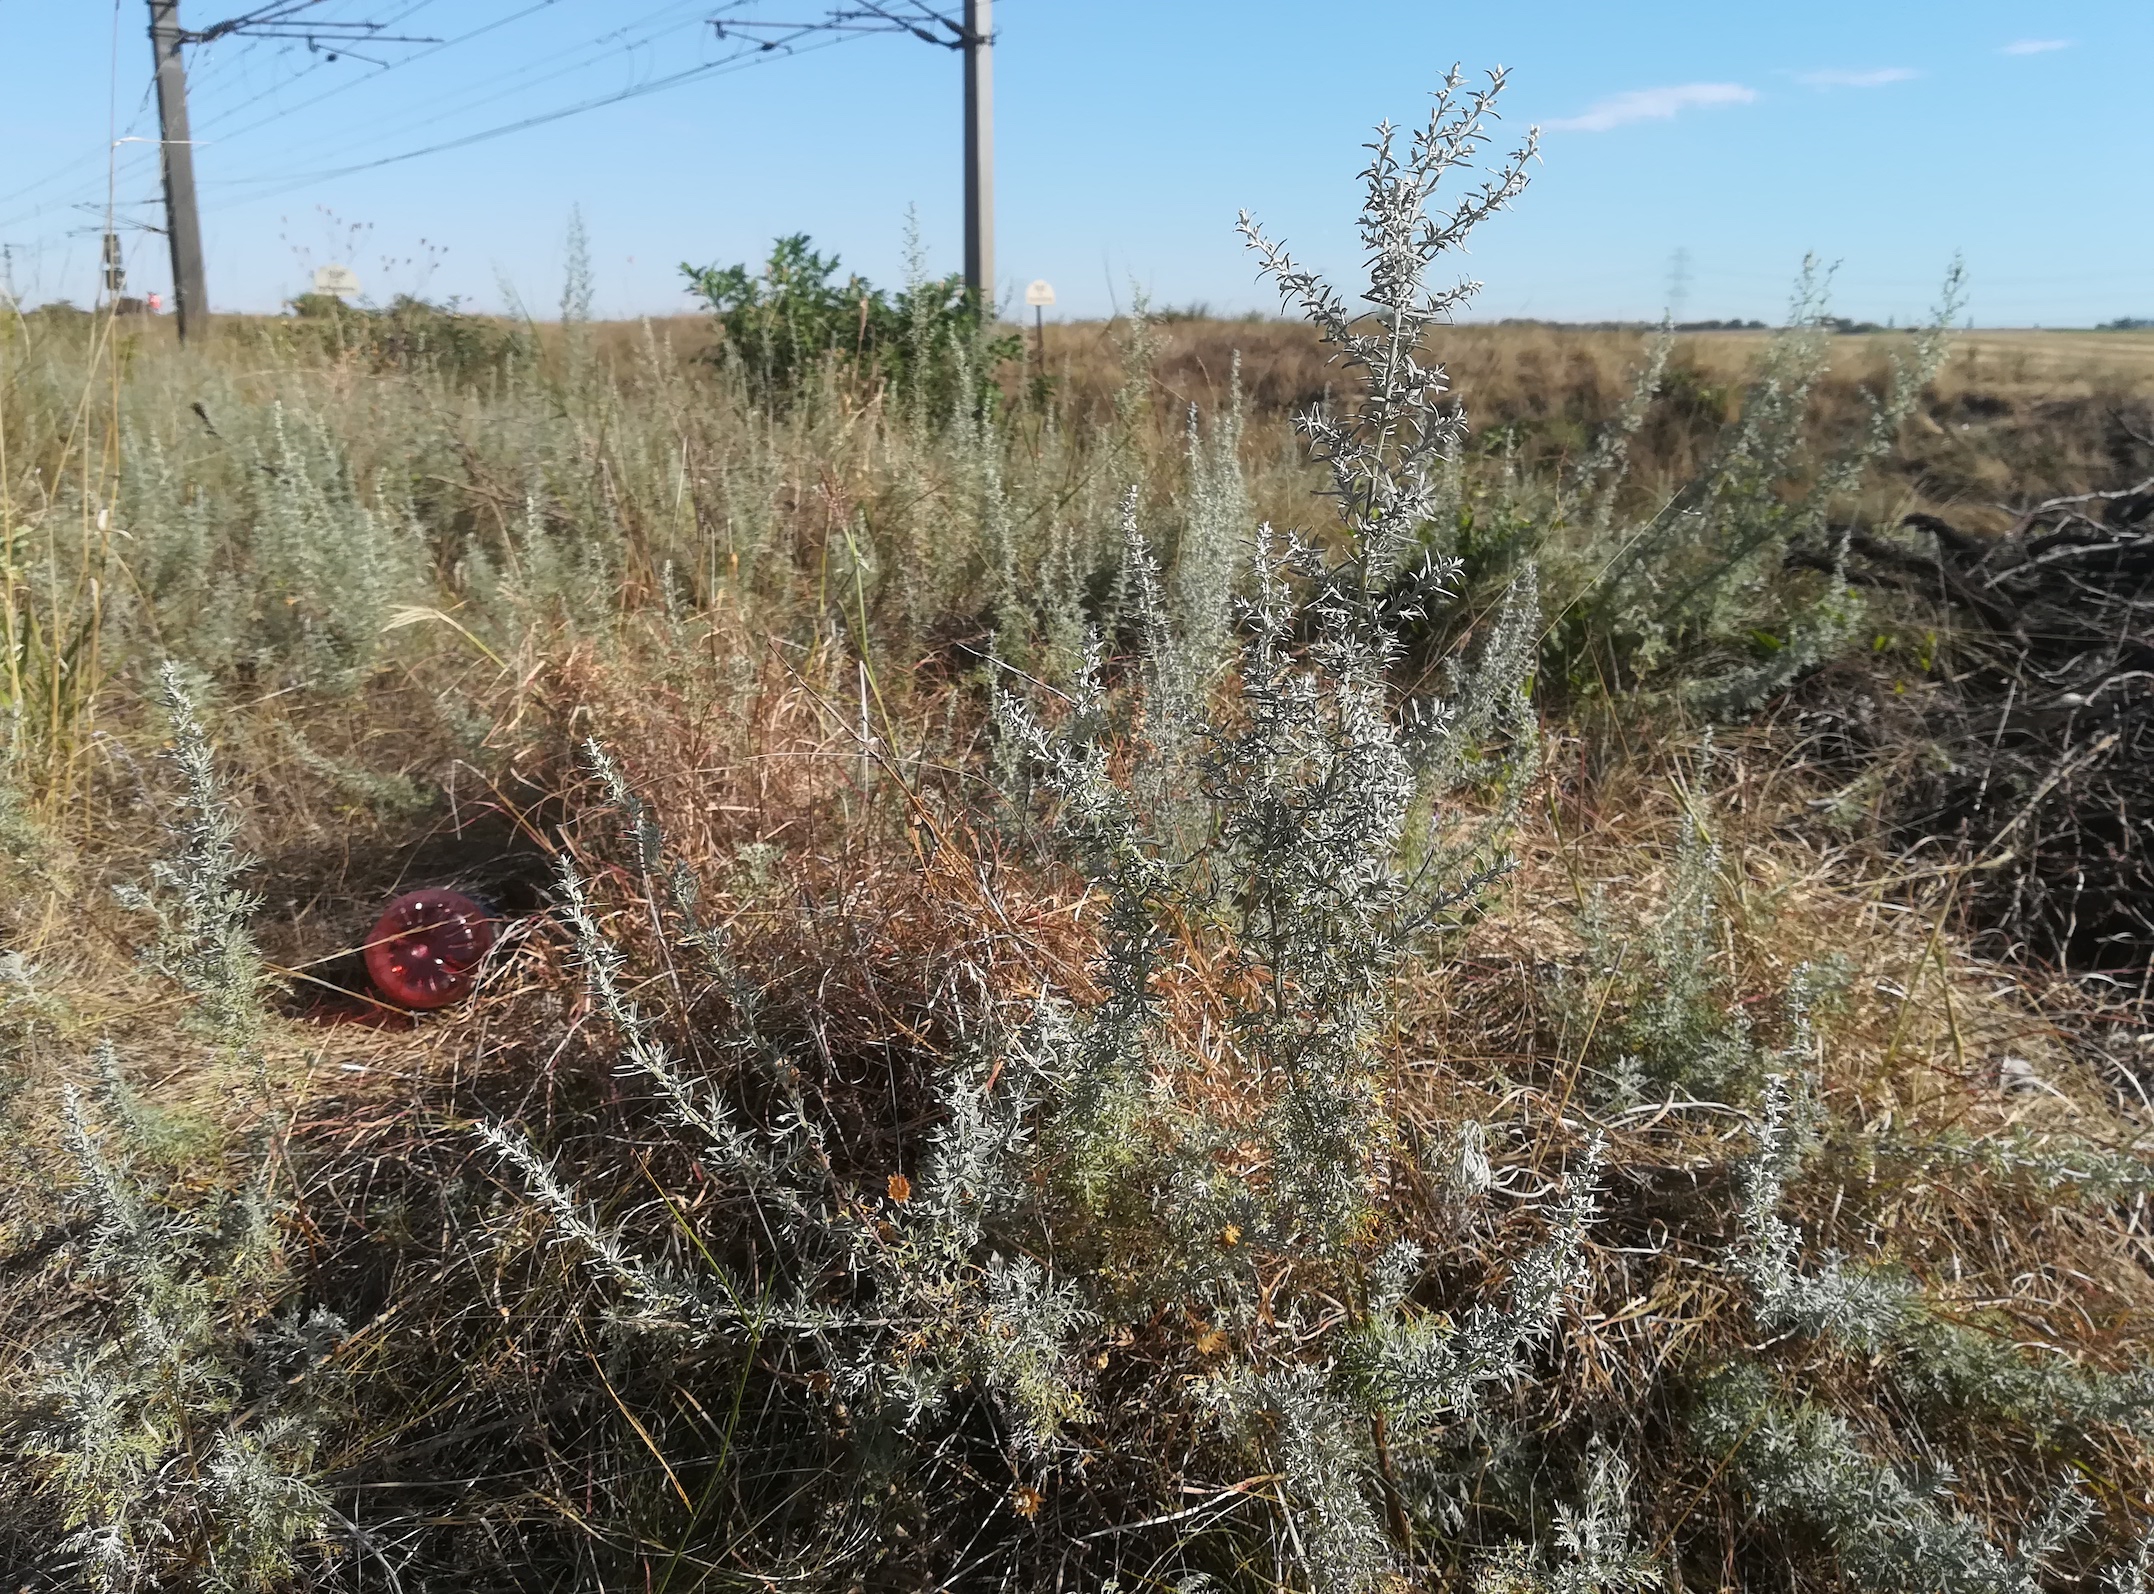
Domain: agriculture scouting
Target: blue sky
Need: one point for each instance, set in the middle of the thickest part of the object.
(1884, 136)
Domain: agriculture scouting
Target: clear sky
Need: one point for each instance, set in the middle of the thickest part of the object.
(1884, 135)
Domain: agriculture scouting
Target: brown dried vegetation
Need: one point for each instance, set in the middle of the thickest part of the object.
(818, 762)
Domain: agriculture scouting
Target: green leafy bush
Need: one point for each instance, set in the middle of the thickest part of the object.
(792, 320)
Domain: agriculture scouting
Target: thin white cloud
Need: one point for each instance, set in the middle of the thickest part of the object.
(1875, 78)
(1653, 105)
(2035, 46)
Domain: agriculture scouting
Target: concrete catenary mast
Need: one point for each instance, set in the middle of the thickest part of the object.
(183, 220)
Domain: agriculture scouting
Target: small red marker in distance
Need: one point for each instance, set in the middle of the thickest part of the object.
(426, 947)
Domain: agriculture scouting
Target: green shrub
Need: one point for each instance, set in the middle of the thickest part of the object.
(787, 323)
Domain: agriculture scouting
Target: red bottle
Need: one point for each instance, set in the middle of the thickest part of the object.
(426, 948)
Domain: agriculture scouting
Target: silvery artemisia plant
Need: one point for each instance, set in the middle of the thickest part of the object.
(1803, 1464)
(1383, 450)
(1890, 1530)
(1703, 580)
(1600, 1554)
(1292, 818)
(1295, 820)
(902, 1295)
(178, 1442)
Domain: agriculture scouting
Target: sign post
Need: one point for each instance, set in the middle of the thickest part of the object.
(115, 269)
(1040, 294)
(339, 282)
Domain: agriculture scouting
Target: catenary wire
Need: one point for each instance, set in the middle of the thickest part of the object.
(718, 68)
(238, 51)
(586, 53)
(521, 79)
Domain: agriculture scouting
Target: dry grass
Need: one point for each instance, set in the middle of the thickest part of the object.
(1505, 369)
(2013, 415)
(873, 919)
(841, 827)
(1929, 1047)
(489, 1405)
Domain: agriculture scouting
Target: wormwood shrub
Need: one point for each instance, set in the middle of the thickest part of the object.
(171, 1431)
(1649, 1003)
(1204, 1155)
(903, 1324)
(1871, 1474)
(1083, 1172)
(295, 588)
(1719, 585)
(1711, 582)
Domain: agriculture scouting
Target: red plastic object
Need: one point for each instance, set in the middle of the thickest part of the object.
(426, 947)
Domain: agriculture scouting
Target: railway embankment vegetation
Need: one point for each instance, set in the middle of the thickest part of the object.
(1338, 953)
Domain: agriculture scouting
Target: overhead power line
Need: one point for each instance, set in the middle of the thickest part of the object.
(233, 47)
(277, 22)
(762, 38)
(974, 37)
(362, 80)
(971, 35)
(279, 19)
(289, 23)
(628, 40)
(716, 68)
